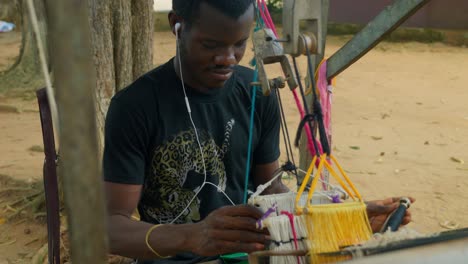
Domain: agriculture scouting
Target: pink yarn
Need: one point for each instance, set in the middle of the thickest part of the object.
(310, 146)
(268, 18)
(293, 229)
(325, 98)
(322, 86)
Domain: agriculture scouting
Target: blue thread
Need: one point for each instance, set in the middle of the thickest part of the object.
(249, 148)
(259, 25)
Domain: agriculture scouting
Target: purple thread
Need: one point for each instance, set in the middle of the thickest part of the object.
(265, 215)
(336, 198)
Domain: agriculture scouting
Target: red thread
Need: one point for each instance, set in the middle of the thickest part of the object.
(291, 221)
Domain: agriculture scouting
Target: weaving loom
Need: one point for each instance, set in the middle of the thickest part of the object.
(316, 222)
(310, 225)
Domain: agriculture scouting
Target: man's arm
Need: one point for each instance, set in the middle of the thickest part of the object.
(127, 236)
(264, 173)
(226, 230)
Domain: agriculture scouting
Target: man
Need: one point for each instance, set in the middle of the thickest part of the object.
(176, 145)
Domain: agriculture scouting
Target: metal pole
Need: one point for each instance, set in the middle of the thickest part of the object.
(79, 163)
(371, 35)
(453, 252)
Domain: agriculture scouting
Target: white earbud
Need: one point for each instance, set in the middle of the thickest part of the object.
(177, 28)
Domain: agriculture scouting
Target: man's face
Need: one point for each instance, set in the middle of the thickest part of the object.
(212, 45)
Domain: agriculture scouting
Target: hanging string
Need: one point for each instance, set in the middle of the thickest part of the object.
(310, 146)
(267, 17)
(268, 22)
(308, 118)
(265, 14)
(289, 166)
(317, 108)
(249, 148)
(293, 229)
(259, 25)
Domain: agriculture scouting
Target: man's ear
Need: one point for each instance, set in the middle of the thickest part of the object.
(175, 22)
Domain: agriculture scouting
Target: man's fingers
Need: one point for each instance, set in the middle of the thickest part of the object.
(374, 209)
(406, 220)
(224, 247)
(240, 236)
(241, 210)
(239, 223)
(397, 199)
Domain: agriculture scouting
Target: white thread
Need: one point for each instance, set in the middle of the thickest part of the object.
(262, 187)
(45, 70)
(281, 233)
(189, 110)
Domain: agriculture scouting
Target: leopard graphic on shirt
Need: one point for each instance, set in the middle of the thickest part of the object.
(173, 161)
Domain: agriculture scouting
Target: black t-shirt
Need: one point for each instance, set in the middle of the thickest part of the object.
(150, 141)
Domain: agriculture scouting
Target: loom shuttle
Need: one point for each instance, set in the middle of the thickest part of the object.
(394, 220)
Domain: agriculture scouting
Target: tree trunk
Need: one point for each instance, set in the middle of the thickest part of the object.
(25, 73)
(142, 27)
(122, 35)
(79, 166)
(10, 12)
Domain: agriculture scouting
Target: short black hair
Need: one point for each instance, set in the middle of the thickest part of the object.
(189, 9)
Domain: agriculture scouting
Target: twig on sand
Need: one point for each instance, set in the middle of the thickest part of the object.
(35, 203)
(18, 189)
(25, 199)
(7, 243)
(32, 241)
(40, 255)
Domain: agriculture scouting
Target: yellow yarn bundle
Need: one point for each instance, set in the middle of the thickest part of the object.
(333, 226)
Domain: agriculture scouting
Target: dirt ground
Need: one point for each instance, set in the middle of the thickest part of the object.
(400, 127)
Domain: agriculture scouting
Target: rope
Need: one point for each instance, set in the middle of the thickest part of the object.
(288, 166)
(317, 108)
(43, 62)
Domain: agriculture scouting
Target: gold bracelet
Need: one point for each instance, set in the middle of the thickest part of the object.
(148, 233)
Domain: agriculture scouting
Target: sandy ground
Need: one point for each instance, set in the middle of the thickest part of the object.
(400, 127)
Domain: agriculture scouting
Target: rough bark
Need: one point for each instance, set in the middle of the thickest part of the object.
(103, 56)
(122, 34)
(26, 73)
(142, 27)
(79, 164)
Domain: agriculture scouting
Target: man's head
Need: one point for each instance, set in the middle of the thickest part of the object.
(212, 38)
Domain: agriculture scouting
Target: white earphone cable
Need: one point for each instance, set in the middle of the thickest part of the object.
(189, 110)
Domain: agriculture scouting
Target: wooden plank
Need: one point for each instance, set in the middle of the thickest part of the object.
(382, 25)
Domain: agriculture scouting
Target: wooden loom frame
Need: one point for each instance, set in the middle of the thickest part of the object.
(373, 33)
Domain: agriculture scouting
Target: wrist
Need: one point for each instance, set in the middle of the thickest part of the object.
(187, 237)
(171, 239)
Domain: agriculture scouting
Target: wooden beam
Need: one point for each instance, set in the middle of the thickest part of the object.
(79, 162)
(382, 25)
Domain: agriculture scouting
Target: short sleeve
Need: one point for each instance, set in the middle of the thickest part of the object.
(126, 140)
(267, 150)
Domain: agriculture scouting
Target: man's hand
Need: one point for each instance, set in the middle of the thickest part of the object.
(227, 230)
(379, 210)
